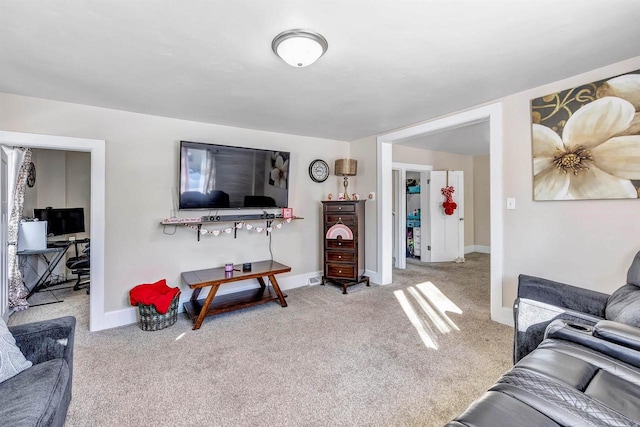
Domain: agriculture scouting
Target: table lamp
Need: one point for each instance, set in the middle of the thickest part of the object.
(346, 168)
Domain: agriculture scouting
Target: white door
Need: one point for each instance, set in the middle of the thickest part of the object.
(4, 227)
(446, 231)
(425, 214)
(394, 214)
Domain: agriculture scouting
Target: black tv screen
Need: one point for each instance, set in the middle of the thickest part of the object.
(61, 220)
(219, 177)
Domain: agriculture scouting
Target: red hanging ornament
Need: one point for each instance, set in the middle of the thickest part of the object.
(449, 205)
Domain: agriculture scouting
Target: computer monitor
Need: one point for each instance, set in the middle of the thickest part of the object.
(61, 220)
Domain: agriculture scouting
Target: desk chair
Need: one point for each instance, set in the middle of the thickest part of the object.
(81, 266)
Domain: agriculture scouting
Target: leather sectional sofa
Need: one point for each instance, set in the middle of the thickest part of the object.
(578, 376)
(577, 359)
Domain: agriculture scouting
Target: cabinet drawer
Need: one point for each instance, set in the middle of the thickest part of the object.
(347, 219)
(339, 256)
(339, 244)
(417, 231)
(348, 207)
(341, 270)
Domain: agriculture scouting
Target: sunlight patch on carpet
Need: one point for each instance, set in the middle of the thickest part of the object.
(440, 302)
(433, 316)
(428, 306)
(426, 336)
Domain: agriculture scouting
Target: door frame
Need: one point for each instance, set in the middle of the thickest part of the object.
(401, 213)
(491, 113)
(4, 229)
(96, 147)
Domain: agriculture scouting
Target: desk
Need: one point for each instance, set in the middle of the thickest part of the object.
(214, 277)
(58, 249)
(51, 265)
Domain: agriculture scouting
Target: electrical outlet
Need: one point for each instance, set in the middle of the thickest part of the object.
(372, 195)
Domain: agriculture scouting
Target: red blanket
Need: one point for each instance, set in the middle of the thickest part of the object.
(157, 294)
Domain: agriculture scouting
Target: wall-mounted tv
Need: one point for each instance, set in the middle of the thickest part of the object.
(61, 220)
(220, 177)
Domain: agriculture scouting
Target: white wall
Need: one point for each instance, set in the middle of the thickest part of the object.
(141, 179)
(63, 179)
(481, 201)
(51, 179)
(586, 243)
(78, 185)
(364, 151)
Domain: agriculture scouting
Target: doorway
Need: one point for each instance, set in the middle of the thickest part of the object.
(423, 231)
(4, 225)
(404, 217)
(98, 319)
(61, 196)
(492, 113)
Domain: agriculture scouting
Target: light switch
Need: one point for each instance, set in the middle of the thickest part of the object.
(511, 203)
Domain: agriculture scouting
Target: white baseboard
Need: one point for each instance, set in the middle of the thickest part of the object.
(477, 248)
(128, 316)
(113, 319)
(374, 277)
(504, 316)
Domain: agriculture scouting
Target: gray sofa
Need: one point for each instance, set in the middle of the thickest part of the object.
(576, 355)
(40, 395)
(540, 301)
(578, 376)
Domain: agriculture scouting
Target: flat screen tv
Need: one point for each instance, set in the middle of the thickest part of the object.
(61, 220)
(223, 177)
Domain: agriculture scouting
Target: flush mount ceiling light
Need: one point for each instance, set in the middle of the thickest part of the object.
(299, 48)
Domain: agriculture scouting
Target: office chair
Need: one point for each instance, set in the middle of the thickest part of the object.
(81, 266)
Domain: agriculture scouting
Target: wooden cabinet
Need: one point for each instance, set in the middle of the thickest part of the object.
(343, 228)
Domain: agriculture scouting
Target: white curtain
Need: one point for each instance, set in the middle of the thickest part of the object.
(19, 160)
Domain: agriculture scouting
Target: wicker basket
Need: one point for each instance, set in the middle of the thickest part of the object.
(151, 320)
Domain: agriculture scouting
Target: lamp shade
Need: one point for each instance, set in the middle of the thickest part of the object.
(346, 167)
(299, 48)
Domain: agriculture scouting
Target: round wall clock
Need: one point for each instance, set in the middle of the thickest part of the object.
(319, 170)
(31, 178)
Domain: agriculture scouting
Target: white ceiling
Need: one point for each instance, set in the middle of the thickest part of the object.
(389, 63)
(471, 140)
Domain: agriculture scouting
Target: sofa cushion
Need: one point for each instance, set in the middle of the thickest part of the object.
(34, 396)
(633, 275)
(12, 361)
(560, 383)
(624, 305)
(497, 409)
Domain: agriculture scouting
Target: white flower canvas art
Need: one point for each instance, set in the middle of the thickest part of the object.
(586, 141)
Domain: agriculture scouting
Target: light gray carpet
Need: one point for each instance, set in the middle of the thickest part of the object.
(326, 360)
